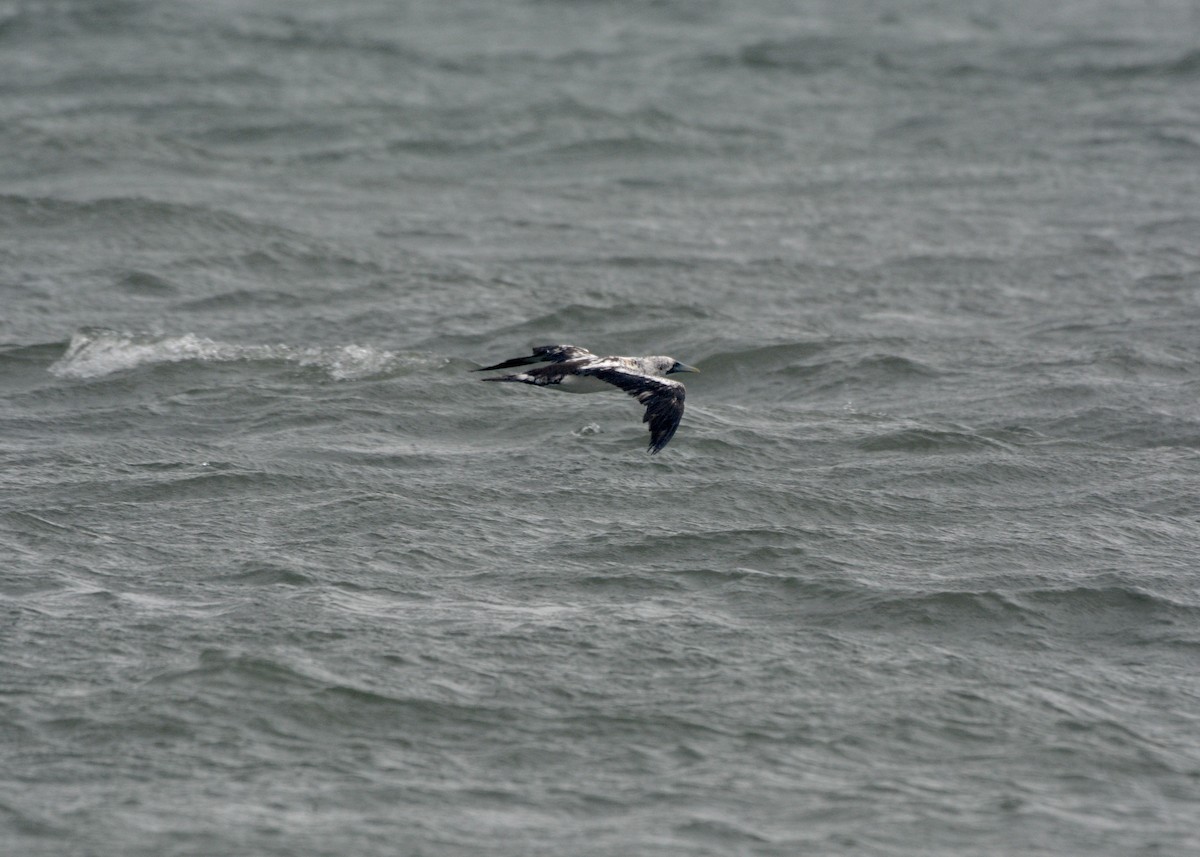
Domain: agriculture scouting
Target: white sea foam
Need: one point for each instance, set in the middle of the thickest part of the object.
(97, 352)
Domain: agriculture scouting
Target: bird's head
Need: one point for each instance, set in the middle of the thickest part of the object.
(674, 366)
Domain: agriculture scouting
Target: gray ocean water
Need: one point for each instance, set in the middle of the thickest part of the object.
(918, 575)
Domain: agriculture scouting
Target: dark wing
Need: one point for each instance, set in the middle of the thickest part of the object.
(543, 354)
(663, 400)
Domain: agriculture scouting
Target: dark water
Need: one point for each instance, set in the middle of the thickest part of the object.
(917, 576)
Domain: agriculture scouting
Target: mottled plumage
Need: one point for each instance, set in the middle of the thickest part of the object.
(577, 370)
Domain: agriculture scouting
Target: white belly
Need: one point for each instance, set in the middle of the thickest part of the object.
(583, 384)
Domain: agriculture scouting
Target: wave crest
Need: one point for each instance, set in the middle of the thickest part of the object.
(97, 352)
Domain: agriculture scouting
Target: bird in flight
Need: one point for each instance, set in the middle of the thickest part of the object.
(577, 370)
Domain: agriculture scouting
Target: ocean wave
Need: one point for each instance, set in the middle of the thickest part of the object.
(1135, 426)
(807, 54)
(125, 212)
(929, 439)
(823, 367)
(1100, 608)
(99, 352)
(972, 55)
(1105, 59)
(623, 328)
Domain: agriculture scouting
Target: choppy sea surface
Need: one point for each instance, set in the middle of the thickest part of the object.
(918, 575)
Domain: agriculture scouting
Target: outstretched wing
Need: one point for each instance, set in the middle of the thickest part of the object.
(663, 400)
(543, 354)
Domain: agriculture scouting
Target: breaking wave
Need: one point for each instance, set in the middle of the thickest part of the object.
(98, 352)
